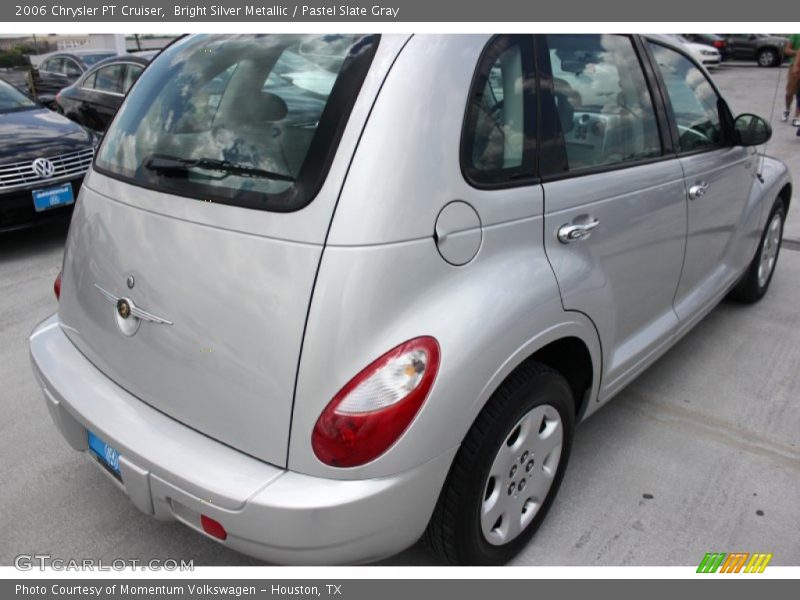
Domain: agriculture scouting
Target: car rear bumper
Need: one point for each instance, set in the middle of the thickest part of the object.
(176, 473)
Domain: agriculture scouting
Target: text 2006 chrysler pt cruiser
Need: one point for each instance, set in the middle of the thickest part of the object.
(323, 295)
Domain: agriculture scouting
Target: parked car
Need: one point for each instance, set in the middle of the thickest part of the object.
(95, 97)
(765, 49)
(317, 339)
(707, 55)
(60, 69)
(43, 158)
(709, 39)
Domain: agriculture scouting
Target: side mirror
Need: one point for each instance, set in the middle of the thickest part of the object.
(751, 130)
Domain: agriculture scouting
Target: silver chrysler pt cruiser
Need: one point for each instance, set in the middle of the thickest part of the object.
(324, 295)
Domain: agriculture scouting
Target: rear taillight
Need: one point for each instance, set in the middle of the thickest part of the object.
(372, 411)
(57, 286)
(719, 44)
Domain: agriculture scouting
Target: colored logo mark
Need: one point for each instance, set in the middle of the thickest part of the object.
(734, 562)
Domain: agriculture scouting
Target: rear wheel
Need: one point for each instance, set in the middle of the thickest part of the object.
(508, 470)
(756, 280)
(767, 57)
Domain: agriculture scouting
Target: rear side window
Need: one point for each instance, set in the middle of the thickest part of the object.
(53, 65)
(109, 79)
(250, 120)
(71, 68)
(89, 80)
(603, 101)
(498, 140)
(695, 104)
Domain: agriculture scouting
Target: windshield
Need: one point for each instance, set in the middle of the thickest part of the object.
(92, 59)
(12, 99)
(250, 120)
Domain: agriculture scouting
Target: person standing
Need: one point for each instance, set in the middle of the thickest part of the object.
(793, 82)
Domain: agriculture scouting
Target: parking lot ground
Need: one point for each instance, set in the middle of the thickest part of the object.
(700, 454)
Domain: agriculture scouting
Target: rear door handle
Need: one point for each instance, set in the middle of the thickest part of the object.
(575, 232)
(698, 189)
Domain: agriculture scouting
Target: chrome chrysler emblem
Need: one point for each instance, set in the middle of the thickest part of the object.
(43, 168)
(128, 315)
(123, 308)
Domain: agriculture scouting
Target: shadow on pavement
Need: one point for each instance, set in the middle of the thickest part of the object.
(26, 243)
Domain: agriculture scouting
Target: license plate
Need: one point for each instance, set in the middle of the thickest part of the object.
(53, 197)
(107, 455)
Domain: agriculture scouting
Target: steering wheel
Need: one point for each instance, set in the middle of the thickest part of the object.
(692, 138)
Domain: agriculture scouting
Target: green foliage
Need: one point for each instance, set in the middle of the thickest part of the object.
(16, 57)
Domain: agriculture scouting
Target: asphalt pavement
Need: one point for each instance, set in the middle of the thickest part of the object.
(700, 454)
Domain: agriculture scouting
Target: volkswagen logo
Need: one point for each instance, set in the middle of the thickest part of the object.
(43, 168)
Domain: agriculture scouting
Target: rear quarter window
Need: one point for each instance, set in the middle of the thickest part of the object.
(499, 137)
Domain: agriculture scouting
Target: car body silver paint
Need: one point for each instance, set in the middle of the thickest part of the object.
(624, 276)
(175, 473)
(715, 224)
(236, 307)
(381, 281)
(761, 198)
(404, 139)
(400, 287)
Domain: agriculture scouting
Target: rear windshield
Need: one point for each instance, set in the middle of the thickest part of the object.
(250, 120)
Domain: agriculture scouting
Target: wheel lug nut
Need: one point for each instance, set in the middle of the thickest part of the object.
(513, 472)
(521, 485)
(529, 466)
(523, 458)
(511, 487)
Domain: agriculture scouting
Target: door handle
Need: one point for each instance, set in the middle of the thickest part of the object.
(576, 231)
(698, 189)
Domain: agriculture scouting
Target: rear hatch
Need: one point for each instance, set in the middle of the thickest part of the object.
(194, 246)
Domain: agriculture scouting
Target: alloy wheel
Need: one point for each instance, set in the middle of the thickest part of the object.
(769, 250)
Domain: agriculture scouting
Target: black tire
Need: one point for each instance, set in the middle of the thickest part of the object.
(749, 289)
(454, 531)
(767, 57)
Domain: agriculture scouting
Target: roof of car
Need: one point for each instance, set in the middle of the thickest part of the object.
(148, 54)
(129, 58)
(78, 52)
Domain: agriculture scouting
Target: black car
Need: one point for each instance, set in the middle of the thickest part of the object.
(43, 158)
(94, 98)
(766, 50)
(710, 39)
(59, 70)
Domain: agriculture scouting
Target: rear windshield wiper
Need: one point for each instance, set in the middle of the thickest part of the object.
(171, 165)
